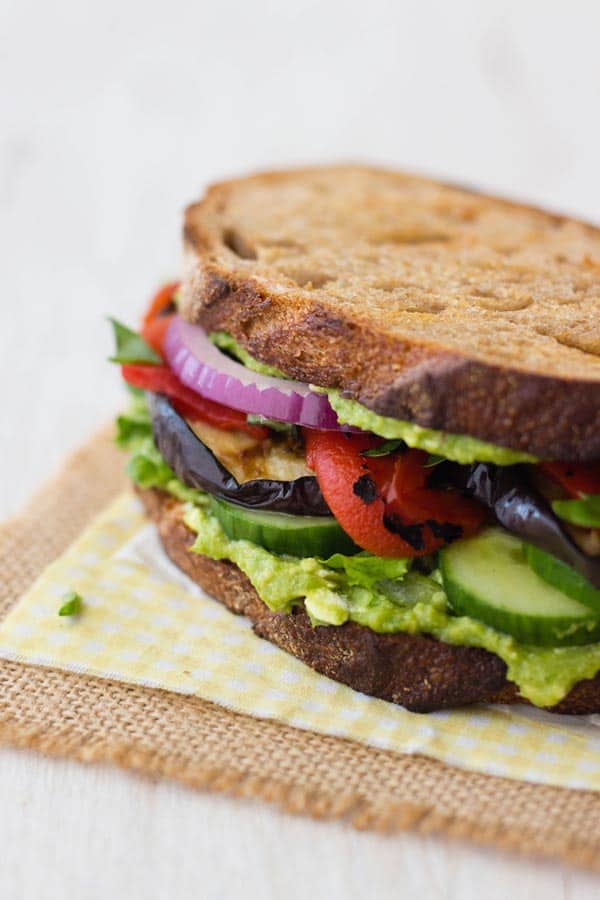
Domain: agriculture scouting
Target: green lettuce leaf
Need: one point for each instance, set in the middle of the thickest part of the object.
(146, 467)
(365, 570)
(134, 425)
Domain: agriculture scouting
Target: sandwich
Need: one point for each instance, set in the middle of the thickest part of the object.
(367, 418)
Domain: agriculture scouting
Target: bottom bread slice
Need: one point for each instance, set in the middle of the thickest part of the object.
(418, 672)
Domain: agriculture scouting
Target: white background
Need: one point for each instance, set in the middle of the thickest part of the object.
(114, 115)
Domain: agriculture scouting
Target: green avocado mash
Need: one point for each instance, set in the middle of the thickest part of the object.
(382, 594)
(410, 603)
(458, 447)
(224, 341)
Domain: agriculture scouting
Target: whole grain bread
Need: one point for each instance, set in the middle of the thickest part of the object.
(421, 300)
(415, 671)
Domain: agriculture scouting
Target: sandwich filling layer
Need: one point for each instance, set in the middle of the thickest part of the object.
(381, 594)
(392, 526)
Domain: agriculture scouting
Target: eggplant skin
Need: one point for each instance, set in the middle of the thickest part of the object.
(197, 467)
(522, 510)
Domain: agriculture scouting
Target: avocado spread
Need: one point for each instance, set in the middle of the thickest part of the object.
(458, 447)
(226, 342)
(410, 603)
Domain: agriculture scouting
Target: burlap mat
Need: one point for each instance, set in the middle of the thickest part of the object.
(205, 746)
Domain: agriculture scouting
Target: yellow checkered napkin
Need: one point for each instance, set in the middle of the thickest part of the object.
(145, 622)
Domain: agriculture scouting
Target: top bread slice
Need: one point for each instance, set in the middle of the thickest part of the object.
(423, 301)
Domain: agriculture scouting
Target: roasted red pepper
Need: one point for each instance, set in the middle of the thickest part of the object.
(577, 479)
(384, 503)
(158, 316)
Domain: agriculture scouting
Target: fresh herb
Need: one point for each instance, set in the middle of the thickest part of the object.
(385, 449)
(433, 459)
(273, 424)
(399, 446)
(584, 512)
(131, 347)
(72, 604)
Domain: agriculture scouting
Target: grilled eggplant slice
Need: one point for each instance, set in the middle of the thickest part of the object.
(197, 466)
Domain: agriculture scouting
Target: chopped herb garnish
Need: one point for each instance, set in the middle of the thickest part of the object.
(385, 449)
(131, 347)
(273, 424)
(72, 604)
(433, 459)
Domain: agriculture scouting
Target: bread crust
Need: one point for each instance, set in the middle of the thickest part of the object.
(414, 671)
(406, 357)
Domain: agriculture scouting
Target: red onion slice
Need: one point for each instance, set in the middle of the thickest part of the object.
(203, 368)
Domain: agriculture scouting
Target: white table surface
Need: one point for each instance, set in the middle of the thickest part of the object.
(113, 115)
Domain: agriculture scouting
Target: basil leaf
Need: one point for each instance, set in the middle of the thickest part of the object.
(131, 347)
(584, 512)
(433, 459)
(72, 604)
(273, 424)
(385, 449)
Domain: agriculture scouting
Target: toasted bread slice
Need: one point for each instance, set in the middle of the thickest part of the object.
(415, 671)
(426, 302)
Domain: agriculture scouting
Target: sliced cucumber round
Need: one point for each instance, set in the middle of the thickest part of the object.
(563, 577)
(487, 577)
(283, 533)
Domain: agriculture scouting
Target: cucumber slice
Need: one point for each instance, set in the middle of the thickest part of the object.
(487, 577)
(563, 577)
(283, 533)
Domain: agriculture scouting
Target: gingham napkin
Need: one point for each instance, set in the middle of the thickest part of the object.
(145, 622)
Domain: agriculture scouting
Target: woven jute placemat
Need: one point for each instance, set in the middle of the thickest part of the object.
(162, 734)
